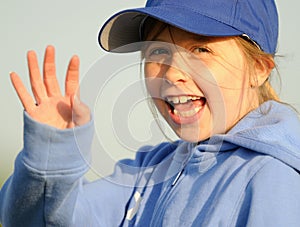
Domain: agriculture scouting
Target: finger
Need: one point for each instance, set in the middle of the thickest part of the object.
(50, 80)
(72, 78)
(36, 81)
(24, 96)
(80, 111)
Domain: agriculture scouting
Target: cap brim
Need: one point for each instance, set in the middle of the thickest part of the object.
(123, 28)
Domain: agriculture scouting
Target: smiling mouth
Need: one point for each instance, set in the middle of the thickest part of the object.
(185, 106)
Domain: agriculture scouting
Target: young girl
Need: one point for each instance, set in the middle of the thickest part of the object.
(207, 66)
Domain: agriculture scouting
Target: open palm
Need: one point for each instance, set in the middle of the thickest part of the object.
(49, 105)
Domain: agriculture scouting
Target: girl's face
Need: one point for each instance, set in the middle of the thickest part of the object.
(199, 84)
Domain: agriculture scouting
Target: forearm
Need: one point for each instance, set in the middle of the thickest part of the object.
(43, 189)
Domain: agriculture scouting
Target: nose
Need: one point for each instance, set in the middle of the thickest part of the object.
(175, 72)
(173, 75)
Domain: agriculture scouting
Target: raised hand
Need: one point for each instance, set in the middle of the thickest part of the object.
(49, 105)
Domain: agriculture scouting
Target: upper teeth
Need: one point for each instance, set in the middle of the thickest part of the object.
(181, 99)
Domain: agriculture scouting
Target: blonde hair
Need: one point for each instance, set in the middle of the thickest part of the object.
(253, 54)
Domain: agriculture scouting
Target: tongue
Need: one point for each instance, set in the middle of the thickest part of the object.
(189, 105)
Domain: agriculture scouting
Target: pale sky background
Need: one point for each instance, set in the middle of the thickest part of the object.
(72, 27)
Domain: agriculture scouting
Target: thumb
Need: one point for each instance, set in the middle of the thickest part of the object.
(80, 111)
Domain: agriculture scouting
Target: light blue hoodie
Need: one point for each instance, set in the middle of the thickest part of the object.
(247, 177)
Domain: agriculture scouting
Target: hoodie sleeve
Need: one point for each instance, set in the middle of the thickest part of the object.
(47, 176)
(274, 196)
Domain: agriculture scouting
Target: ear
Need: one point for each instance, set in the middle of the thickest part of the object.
(262, 68)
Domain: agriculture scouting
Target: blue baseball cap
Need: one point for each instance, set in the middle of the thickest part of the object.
(255, 19)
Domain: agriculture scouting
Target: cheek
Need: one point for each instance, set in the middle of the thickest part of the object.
(160, 104)
(153, 86)
(153, 80)
(236, 104)
(234, 79)
(230, 70)
(230, 92)
(227, 99)
(152, 69)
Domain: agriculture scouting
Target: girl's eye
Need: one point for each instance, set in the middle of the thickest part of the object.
(159, 51)
(201, 50)
(157, 54)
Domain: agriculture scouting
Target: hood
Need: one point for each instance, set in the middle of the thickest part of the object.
(272, 129)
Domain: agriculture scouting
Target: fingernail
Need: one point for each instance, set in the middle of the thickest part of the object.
(11, 73)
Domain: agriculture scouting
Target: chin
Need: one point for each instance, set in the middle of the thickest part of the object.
(193, 135)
